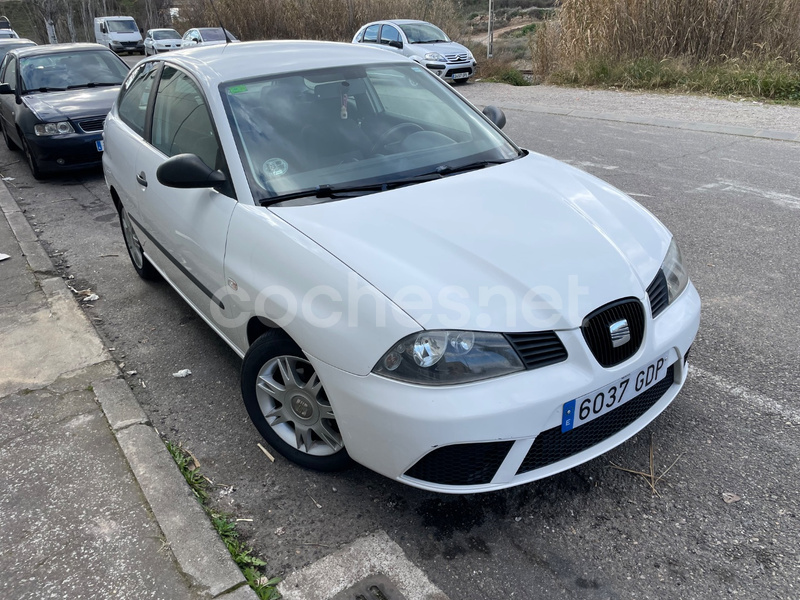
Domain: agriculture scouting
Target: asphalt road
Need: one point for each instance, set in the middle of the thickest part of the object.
(593, 532)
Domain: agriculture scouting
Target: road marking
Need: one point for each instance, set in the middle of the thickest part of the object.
(784, 200)
(755, 399)
(369, 555)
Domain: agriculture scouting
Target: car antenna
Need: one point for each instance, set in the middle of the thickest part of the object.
(224, 31)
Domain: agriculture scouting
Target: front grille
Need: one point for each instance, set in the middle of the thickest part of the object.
(552, 445)
(453, 58)
(461, 464)
(538, 349)
(452, 72)
(658, 293)
(92, 125)
(597, 334)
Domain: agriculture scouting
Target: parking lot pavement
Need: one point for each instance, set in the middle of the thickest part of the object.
(92, 505)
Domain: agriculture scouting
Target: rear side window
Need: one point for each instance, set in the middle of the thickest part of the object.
(181, 122)
(135, 92)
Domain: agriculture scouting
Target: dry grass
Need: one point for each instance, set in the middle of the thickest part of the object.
(724, 47)
(336, 20)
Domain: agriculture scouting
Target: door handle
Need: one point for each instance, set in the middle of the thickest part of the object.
(142, 179)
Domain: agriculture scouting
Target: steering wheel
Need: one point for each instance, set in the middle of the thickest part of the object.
(393, 132)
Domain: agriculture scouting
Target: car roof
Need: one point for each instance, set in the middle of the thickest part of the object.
(56, 49)
(22, 41)
(401, 22)
(228, 62)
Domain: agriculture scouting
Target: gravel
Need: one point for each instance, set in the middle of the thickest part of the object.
(621, 104)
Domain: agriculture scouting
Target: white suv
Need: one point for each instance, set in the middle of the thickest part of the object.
(423, 42)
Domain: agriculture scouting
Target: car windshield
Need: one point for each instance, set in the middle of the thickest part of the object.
(214, 34)
(121, 26)
(423, 33)
(166, 34)
(355, 126)
(69, 70)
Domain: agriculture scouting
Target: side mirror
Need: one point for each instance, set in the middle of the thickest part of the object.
(495, 115)
(186, 171)
(5, 89)
(103, 28)
(396, 44)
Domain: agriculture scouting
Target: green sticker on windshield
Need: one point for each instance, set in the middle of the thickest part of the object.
(237, 89)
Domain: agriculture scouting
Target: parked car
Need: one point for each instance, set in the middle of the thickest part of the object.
(206, 36)
(406, 286)
(161, 40)
(53, 101)
(11, 43)
(119, 33)
(6, 32)
(423, 42)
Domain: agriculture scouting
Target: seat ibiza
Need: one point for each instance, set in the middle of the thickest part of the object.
(407, 287)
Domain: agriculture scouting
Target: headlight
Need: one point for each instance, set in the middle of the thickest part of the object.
(53, 128)
(448, 357)
(674, 271)
(435, 56)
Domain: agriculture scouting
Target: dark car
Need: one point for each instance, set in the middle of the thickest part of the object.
(53, 101)
(11, 43)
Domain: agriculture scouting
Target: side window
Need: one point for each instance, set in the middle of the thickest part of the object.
(133, 97)
(10, 73)
(371, 34)
(181, 122)
(389, 34)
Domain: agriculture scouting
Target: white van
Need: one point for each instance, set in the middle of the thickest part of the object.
(120, 34)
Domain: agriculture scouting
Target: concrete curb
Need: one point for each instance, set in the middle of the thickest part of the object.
(199, 552)
(786, 136)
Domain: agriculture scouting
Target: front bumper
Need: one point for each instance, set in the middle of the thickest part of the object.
(490, 428)
(69, 151)
(452, 71)
(127, 46)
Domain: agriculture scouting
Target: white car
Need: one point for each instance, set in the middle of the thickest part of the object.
(206, 36)
(406, 286)
(423, 42)
(161, 40)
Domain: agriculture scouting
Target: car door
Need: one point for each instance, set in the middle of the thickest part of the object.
(391, 38)
(8, 102)
(187, 228)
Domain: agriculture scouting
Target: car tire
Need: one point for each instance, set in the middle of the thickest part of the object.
(143, 267)
(286, 402)
(10, 144)
(36, 171)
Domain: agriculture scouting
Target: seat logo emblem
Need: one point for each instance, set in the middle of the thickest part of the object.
(620, 333)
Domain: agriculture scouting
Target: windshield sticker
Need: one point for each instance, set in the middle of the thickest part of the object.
(274, 167)
(237, 89)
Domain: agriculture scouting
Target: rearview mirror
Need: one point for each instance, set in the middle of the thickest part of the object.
(495, 115)
(187, 171)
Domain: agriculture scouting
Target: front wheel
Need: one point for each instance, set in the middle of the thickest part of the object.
(287, 403)
(36, 171)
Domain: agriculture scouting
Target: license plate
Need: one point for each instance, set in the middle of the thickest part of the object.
(460, 75)
(605, 399)
(99, 144)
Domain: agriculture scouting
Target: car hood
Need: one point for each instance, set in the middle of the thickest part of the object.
(528, 245)
(72, 104)
(440, 47)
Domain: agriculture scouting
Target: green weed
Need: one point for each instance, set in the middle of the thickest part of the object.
(251, 566)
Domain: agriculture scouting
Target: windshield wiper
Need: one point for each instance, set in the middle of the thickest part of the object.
(350, 191)
(46, 89)
(474, 166)
(91, 84)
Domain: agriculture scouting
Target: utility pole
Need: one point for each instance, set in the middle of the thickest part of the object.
(489, 46)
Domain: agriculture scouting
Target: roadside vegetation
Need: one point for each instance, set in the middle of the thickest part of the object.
(251, 566)
(726, 48)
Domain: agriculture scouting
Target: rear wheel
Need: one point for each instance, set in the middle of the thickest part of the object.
(287, 403)
(143, 267)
